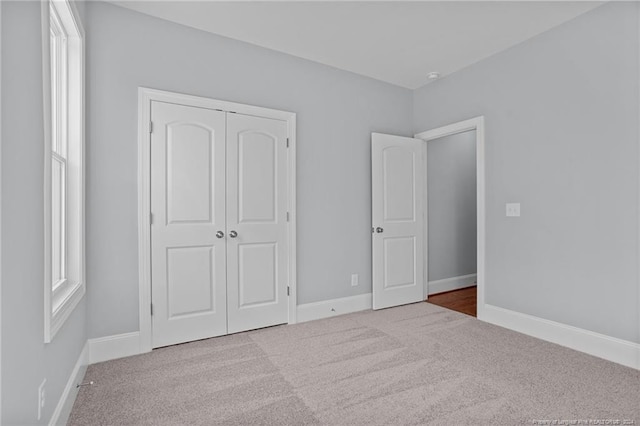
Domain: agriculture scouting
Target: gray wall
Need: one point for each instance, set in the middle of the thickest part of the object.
(26, 360)
(451, 189)
(337, 111)
(562, 139)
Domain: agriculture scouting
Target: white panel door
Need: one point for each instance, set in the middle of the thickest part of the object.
(188, 207)
(257, 273)
(398, 221)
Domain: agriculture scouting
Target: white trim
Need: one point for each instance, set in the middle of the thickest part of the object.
(145, 97)
(61, 414)
(53, 320)
(293, 220)
(638, 167)
(144, 222)
(476, 124)
(46, 95)
(333, 307)
(0, 212)
(596, 344)
(114, 347)
(450, 284)
(65, 310)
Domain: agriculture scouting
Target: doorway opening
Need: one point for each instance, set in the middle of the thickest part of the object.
(454, 215)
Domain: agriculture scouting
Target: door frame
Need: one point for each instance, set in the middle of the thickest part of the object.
(145, 97)
(477, 124)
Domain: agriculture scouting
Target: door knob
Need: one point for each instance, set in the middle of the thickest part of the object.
(219, 234)
(379, 230)
(233, 234)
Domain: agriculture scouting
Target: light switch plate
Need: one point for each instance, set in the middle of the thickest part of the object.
(513, 209)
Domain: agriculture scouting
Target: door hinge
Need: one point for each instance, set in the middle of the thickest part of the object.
(287, 290)
(287, 142)
(287, 216)
(151, 127)
(152, 309)
(150, 218)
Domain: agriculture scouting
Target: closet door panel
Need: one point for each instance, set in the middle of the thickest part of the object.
(256, 222)
(188, 207)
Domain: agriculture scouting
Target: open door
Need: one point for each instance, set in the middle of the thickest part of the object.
(397, 218)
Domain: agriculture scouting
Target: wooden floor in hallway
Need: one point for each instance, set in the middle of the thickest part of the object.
(463, 300)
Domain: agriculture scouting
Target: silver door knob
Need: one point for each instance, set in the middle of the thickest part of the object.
(233, 234)
(379, 230)
(219, 234)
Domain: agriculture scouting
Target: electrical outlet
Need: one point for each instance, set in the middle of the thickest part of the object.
(41, 398)
(513, 209)
(354, 280)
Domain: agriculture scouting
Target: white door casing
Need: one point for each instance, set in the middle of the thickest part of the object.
(397, 220)
(188, 207)
(146, 130)
(257, 274)
(219, 231)
(476, 124)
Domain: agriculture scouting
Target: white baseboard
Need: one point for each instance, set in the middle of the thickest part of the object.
(61, 414)
(113, 347)
(128, 344)
(450, 284)
(333, 307)
(602, 346)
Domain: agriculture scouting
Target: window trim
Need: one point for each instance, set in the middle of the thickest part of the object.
(61, 299)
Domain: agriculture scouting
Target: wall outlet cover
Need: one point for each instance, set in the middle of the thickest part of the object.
(354, 280)
(513, 209)
(41, 398)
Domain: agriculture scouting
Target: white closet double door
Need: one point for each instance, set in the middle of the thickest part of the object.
(219, 234)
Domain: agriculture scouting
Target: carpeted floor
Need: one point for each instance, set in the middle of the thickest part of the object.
(412, 365)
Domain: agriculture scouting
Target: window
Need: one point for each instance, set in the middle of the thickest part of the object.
(64, 169)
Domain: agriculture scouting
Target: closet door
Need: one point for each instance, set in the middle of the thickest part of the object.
(188, 252)
(257, 276)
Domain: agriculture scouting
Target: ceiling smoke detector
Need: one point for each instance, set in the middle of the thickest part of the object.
(433, 75)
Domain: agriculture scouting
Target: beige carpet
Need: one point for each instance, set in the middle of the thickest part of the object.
(413, 365)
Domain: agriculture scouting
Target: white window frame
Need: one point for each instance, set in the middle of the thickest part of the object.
(64, 143)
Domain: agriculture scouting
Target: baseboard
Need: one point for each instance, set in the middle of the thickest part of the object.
(602, 346)
(113, 347)
(128, 344)
(61, 414)
(333, 307)
(450, 284)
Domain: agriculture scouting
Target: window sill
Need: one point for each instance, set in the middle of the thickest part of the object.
(63, 310)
